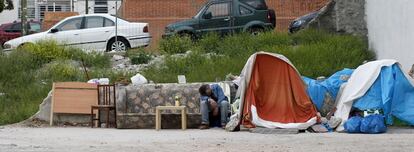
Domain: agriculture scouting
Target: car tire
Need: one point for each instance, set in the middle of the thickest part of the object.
(21, 46)
(120, 46)
(187, 34)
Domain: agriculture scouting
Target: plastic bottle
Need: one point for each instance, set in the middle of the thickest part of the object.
(177, 101)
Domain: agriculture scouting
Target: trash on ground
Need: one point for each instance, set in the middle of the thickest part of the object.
(138, 79)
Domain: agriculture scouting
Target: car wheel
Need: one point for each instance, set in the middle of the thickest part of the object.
(256, 31)
(118, 46)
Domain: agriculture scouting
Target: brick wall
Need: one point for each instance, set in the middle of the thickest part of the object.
(51, 18)
(159, 13)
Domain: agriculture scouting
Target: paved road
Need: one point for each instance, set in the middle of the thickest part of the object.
(16, 139)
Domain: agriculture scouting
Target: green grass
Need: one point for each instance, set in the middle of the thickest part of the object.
(26, 75)
(314, 53)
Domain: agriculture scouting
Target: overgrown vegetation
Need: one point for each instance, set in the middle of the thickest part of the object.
(314, 53)
(26, 75)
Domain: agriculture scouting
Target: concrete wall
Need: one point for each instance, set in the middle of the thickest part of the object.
(391, 29)
(8, 16)
(343, 16)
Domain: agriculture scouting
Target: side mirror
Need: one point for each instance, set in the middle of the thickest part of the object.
(208, 15)
(54, 30)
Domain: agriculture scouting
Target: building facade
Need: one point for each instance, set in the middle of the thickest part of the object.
(159, 13)
(36, 8)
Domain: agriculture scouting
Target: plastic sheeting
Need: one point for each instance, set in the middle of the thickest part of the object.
(391, 92)
(317, 89)
(378, 84)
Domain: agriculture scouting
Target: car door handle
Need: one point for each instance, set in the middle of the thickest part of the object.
(76, 34)
(106, 31)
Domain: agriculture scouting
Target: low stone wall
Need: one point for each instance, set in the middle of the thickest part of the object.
(136, 106)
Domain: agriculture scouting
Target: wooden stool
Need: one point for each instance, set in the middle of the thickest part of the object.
(158, 115)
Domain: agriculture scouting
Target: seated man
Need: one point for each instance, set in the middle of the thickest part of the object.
(212, 99)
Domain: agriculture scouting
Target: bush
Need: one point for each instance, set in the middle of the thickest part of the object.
(209, 43)
(94, 59)
(141, 58)
(61, 71)
(175, 44)
(48, 50)
(313, 52)
(26, 75)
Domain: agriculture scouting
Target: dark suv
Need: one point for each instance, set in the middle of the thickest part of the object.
(226, 16)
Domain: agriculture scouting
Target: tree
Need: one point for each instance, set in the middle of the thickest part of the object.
(6, 5)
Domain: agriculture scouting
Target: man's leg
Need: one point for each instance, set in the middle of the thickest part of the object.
(204, 108)
(224, 111)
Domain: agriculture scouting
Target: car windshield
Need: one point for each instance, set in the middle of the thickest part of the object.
(200, 11)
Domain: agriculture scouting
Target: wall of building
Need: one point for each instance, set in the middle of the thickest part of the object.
(159, 13)
(390, 29)
(343, 16)
(8, 16)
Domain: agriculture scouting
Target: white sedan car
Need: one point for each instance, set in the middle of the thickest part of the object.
(91, 32)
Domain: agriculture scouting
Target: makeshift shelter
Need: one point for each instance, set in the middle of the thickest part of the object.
(324, 92)
(378, 85)
(272, 95)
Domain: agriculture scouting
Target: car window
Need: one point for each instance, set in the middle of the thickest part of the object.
(16, 27)
(9, 28)
(35, 27)
(219, 9)
(108, 22)
(257, 4)
(244, 10)
(72, 24)
(94, 22)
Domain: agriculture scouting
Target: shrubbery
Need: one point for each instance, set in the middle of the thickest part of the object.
(314, 53)
(175, 44)
(26, 75)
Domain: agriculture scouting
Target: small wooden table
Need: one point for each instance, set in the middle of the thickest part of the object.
(158, 115)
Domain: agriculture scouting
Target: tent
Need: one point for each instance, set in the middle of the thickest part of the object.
(380, 85)
(272, 95)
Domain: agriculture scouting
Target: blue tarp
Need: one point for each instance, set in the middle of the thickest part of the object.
(317, 89)
(391, 92)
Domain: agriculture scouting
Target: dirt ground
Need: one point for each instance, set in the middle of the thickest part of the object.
(17, 139)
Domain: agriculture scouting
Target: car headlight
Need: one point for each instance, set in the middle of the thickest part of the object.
(298, 23)
(168, 30)
(7, 46)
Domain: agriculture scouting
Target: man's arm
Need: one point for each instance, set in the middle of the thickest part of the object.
(219, 93)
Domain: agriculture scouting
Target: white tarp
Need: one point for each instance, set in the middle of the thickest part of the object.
(358, 84)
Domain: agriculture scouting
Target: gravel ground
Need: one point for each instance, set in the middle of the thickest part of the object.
(16, 139)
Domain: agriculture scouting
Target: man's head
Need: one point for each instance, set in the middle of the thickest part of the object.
(205, 90)
(411, 73)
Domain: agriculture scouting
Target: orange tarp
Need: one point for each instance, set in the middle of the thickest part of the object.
(278, 93)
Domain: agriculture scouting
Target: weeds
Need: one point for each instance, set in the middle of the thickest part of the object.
(313, 52)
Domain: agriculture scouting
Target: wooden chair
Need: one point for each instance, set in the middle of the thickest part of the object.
(106, 102)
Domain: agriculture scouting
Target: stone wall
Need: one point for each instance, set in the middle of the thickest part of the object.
(343, 16)
(136, 104)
